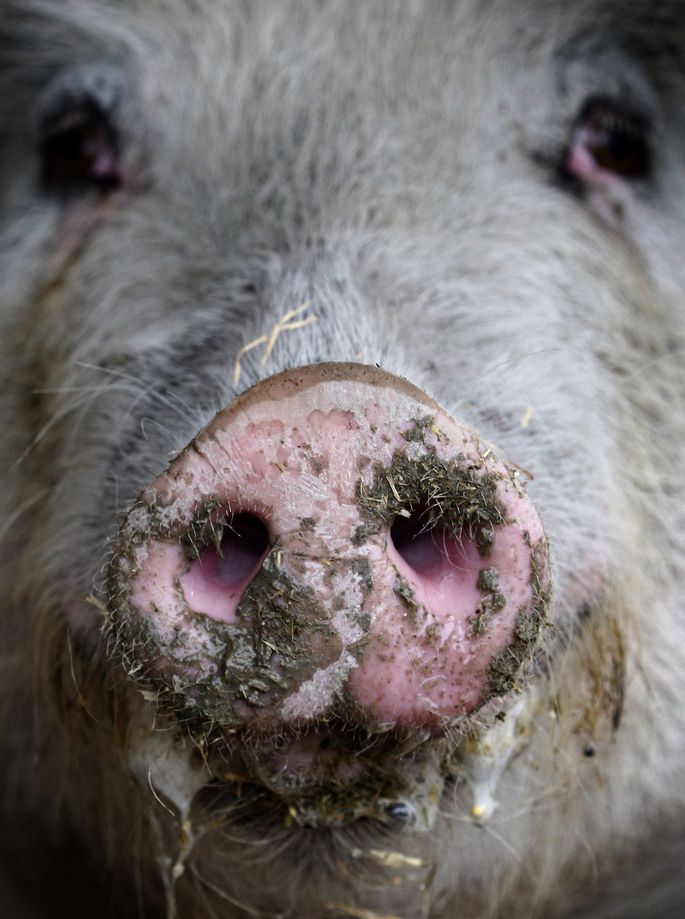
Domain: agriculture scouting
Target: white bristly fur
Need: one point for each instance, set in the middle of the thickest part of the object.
(395, 165)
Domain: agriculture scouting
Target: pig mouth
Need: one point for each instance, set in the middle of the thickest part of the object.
(331, 775)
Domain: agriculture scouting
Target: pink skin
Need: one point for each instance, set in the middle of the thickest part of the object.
(294, 448)
(298, 756)
(607, 192)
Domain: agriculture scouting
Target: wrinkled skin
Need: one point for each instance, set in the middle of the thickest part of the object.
(399, 173)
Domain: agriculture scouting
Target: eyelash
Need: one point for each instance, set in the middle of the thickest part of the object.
(608, 141)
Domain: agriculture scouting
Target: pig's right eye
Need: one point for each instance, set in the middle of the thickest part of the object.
(79, 149)
(609, 139)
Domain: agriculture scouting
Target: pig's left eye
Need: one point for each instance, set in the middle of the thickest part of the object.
(79, 149)
(609, 138)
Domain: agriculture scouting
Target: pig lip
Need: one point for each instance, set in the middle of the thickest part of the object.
(326, 775)
(318, 808)
(306, 748)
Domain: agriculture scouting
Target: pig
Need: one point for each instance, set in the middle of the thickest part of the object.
(342, 519)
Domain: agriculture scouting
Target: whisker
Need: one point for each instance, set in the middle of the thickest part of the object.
(168, 400)
(60, 415)
(21, 510)
(223, 895)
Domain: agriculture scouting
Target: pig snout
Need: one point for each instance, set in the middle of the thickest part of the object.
(332, 543)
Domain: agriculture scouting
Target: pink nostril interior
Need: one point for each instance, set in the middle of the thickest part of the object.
(426, 550)
(443, 569)
(216, 581)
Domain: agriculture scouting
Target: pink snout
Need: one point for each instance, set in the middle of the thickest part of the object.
(332, 542)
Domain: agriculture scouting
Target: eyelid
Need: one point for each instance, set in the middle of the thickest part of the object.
(104, 85)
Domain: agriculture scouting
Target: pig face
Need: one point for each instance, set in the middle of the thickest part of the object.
(486, 202)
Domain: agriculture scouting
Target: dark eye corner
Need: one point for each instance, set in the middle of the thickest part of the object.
(609, 139)
(79, 148)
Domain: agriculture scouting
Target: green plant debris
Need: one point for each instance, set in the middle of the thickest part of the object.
(259, 659)
(364, 532)
(526, 627)
(362, 569)
(479, 622)
(364, 621)
(485, 536)
(420, 428)
(206, 528)
(455, 495)
(433, 633)
(488, 580)
(403, 590)
(529, 621)
(503, 669)
(493, 602)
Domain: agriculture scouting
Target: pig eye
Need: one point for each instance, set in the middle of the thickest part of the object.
(609, 138)
(80, 149)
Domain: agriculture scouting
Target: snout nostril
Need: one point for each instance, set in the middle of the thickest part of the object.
(405, 530)
(424, 547)
(217, 579)
(240, 554)
(245, 535)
